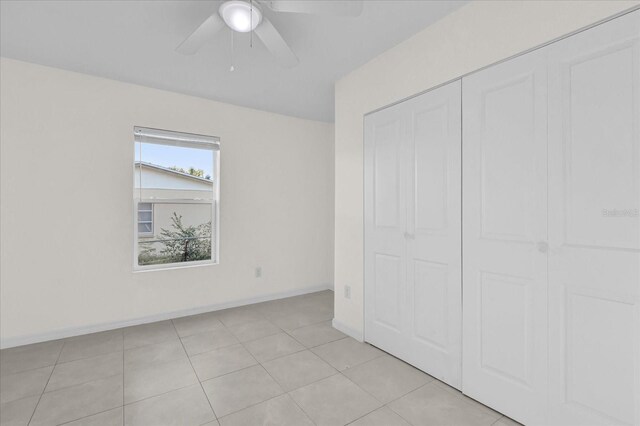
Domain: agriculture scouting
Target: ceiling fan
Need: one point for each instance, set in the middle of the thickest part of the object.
(246, 15)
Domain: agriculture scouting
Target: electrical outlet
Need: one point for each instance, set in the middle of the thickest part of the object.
(258, 271)
(347, 292)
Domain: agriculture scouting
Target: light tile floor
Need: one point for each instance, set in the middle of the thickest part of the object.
(272, 363)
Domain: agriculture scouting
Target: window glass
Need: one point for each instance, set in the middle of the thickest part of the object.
(175, 189)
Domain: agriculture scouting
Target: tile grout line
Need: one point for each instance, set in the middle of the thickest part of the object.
(251, 322)
(432, 379)
(85, 382)
(263, 318)
(365, 391)
(89, 415)
(207, 330)
(434, 382)
(399, 415)
(231, 372)
(153, 396)
(365, 415)
(249, 406)
(82, 383)
(57, 363)
(382, 404)
(252, 356)
(286, 392)
(92, 414)
(309, 384)
(211, 350)
(396, 399)
(32, 368)
(89, 336)
(315, 346)
(430, 383)
(88, 357)
(236, 371)
(26, 371)
(281, 330)
(46, 384)
(194, 372)
(137, 367)
(260, 363)
(252, 405)
(287, 332)
(259, 402)
(412, 390)
(467, 400)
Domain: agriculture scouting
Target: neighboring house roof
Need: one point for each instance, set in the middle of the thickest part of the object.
(173, 172)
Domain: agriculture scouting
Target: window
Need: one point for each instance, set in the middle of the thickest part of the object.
(145, 219)
(175, 193)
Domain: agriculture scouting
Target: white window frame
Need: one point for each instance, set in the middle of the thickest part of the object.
(172, 138)
(150, 233)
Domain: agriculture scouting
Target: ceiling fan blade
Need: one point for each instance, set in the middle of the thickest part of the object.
(317, 7)
(276, 44)
(205, 32)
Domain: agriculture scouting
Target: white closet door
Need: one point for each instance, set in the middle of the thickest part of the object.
(412, 257)
(594, 183)
(434, 310)
(385, 227)
(504, 237)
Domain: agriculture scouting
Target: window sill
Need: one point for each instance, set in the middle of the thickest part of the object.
(172, 266)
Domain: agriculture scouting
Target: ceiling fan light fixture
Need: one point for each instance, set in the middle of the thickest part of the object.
(237, 14)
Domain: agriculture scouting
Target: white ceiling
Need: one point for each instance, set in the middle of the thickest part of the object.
(134, 41)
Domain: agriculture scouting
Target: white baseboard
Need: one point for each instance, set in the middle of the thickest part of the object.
(94, 328)
(349, 331)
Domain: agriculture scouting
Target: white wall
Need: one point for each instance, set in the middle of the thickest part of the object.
(66, 216)
(474, 36)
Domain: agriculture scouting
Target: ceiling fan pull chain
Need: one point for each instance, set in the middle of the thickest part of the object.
(251, 15)
(232, 68)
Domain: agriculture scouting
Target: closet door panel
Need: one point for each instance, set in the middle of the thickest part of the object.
(430, 128)
(594, 274)
(504, 237)
(413, 248)
(385, 225)
(434, 227)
